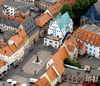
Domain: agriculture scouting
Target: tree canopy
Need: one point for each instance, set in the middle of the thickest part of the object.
(80, 7)
(75, 63)
(98, 83)
(67, 8)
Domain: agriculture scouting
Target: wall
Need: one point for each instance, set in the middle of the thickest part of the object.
(33, 38)
(3, 68)
(54, 30)
(9, 11)
(52, 43)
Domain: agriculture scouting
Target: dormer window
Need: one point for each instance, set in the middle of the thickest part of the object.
(93, 37)
(78, 31)
(85, 34)
(81, 32)
(89, 36)
(91, 42)
(96, 38)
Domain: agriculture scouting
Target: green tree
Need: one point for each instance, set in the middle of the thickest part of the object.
(80, 7)
(67, 8)
(75, 63)
(98, 83)
(67, 61)
(92, 2)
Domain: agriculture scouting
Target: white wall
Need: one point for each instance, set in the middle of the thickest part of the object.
(9, 10)
(54, 44)
(55, 29)
(15, 56)
(3, 68)
(50, 62)
(92, 50)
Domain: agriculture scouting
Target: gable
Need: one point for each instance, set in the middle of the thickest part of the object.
(64, 21)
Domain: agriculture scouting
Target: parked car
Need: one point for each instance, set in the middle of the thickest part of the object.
(23, 84)
(33, 80)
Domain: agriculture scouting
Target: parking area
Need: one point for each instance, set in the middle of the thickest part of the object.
(93, 62)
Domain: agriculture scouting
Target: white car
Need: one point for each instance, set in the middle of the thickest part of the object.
(98, 68)
(33, 80)
(23, 85)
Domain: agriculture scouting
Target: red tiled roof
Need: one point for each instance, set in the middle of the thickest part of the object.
(6, 51)
(2, 63)
(59, 58)
(71, 44)
(17, 40)
(80, 45)
(60, 55)
(55, 9)
(22, 33)
(42, 82)
(1, 2)
(13, 47)
(69, 2)
(51, 74)
(3, 44)
(44, 18)
(59, 67)
(16, 19)
(88, 37)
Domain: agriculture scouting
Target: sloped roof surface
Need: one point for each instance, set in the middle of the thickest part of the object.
(93, 14)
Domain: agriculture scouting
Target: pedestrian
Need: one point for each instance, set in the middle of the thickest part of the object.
(21, 69)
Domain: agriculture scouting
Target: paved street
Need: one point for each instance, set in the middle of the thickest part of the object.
(44, 54)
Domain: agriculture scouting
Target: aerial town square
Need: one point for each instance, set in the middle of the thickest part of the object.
(49, 42)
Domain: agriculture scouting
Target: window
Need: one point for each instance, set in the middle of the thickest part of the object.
(55, 46)
(73, 34)
(83, 38)
(50, 41)
(81, 32)
(76, 35)
(91, 41)
(96, 38)
(55, 42)
(93, 37)
(78, 31)
(45, 43)
(57, 36)
(90, 49)
(94, 54)
(89, 36)
(45, 39)
(85, 34)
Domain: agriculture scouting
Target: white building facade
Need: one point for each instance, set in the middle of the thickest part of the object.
(9, 10)
(90, 39)
(58, 30)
